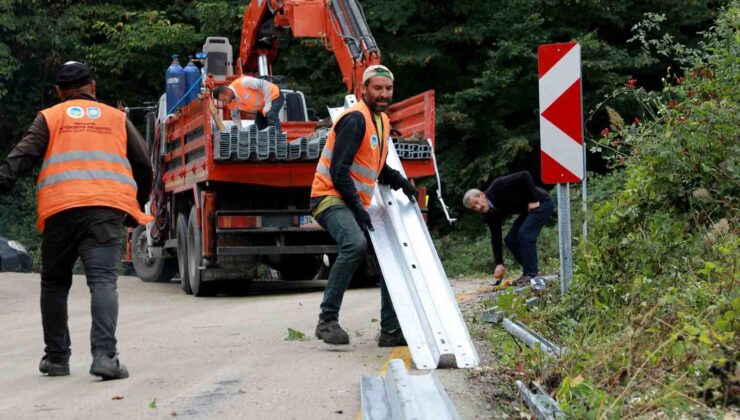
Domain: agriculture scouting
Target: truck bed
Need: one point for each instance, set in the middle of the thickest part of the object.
(188, 157)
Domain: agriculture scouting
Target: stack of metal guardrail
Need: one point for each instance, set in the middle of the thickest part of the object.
(315, 143)
(268, 144)
(412, 149)
(294, 148)
(244, 149)
(257, 145)
(225, 143)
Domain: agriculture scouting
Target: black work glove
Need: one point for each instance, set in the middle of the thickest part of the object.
(410, 191)
(363, 219)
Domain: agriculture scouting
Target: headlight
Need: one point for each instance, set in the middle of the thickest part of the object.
(18, 246)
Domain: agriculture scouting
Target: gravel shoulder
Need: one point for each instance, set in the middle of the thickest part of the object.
(221, 357)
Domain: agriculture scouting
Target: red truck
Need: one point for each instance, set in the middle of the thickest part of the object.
(220, 215)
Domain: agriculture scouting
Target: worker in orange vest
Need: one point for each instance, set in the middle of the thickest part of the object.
(351, 163)
(251, 94)
(95, 175)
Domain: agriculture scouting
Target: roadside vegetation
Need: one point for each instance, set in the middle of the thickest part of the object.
(651, 321)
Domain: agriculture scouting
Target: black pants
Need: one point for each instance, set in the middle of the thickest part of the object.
(342, 226)
(94, 235)
(522, 238)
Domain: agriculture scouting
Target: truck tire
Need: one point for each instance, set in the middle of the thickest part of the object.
(182, 253)
(150, 270)
(195, 257)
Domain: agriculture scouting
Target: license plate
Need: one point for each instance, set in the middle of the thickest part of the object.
(308, 222)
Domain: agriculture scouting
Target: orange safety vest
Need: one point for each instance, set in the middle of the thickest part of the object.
(368, 161)
(85, 163)
(251, 100)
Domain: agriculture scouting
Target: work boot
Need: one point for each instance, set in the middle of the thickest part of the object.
(52, 368)
(108, 367)
(331, 332)
(522, 281)
(391, 338)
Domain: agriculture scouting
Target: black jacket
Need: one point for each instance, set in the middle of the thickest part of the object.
(509, 195)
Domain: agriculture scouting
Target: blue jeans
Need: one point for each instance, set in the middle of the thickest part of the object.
(522, 238)
(273, 117)
(340, 222)
(96, 240)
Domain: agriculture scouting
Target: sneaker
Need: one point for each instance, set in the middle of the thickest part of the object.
(53, 369)
(393, 338)
(331, 332)
(108, 367)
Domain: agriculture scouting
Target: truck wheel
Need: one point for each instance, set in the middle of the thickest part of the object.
(158, 270)
(182, 253)
(195, 257)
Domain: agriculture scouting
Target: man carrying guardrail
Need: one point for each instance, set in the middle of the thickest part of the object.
(352, 162)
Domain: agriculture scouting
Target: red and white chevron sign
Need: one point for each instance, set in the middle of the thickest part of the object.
(561, 117)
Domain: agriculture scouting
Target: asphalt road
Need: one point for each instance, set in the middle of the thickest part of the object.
(200, 358)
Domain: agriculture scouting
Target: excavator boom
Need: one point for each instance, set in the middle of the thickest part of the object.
(339, 24)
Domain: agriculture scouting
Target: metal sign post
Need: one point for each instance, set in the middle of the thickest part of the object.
(561, 136)
(566, 251)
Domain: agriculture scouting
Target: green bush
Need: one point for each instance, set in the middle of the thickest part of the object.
(651, 318)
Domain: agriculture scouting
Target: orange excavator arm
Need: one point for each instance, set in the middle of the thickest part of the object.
(339, 24)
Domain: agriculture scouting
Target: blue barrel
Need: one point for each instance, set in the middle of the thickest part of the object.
(192, 82)
(175, 85)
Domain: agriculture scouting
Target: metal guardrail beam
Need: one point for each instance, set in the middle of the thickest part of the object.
(539, 402)
(537, 283)
(424, 302)
(531, 338)
(402, 396)
(496, 315)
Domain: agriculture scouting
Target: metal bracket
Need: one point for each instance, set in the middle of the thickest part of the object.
(403, 396)
(537, 399)
(424, 302)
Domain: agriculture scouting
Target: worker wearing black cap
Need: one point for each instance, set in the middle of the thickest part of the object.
(95, 175)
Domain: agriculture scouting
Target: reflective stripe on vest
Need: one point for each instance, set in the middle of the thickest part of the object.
(85, 163)
(87, 157)
(358, 169)
(359, 185)
(85, 176)
(366, 165)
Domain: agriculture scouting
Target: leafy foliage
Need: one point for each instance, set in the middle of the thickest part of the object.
(651, 319)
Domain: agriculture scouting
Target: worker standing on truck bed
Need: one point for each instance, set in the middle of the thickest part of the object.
(251, 94)
(509, 195)
(94, 160)
(350, 165)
